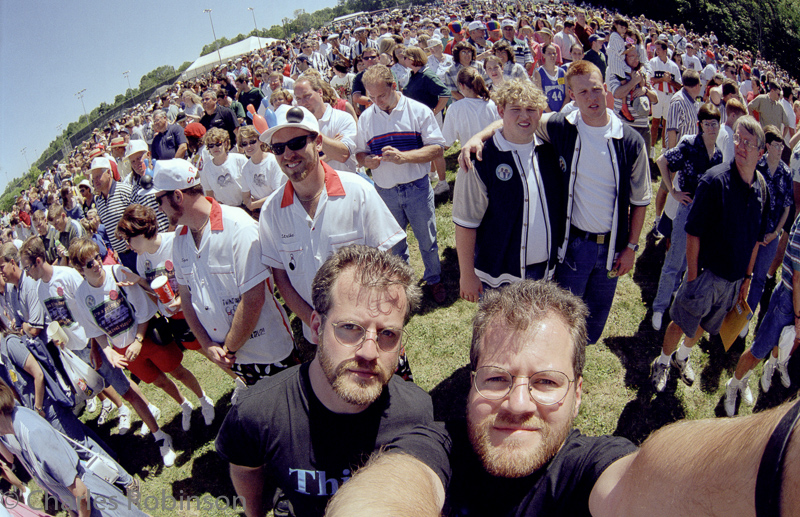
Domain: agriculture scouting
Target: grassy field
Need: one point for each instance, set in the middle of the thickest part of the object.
(618, 397)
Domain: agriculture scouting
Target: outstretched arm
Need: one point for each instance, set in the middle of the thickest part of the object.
(714, 473)
(391, 484)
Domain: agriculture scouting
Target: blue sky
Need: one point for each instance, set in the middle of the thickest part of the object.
(51, 50)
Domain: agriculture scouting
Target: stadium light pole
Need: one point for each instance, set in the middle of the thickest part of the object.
(253, 12)
(25, 154)
(80, 96)
(127, 76)
(219, 55)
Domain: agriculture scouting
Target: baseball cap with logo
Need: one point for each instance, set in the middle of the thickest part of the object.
(293, 117)
(174, 174)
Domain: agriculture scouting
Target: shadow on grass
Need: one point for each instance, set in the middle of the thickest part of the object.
(450, 396)
(449, 276)
(648, 267)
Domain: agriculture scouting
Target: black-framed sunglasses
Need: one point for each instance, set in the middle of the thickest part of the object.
(90, 264)
(249, 143)
(159, 197)
(295, 144)
(212, 146)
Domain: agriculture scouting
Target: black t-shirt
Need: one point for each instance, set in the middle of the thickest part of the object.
(222, 118)
(253, 97)
(561, 488)
(310, 451)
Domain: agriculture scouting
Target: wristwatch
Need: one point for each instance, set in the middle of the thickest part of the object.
(634, 247)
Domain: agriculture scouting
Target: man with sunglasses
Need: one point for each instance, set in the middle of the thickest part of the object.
(318, 211)
(226, 292)
(311, 426)
(360, 98)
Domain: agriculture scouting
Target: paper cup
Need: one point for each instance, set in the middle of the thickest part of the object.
(161, 286)
(56, 333)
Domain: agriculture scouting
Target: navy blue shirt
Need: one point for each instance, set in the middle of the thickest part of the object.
(727, 217)
(690, 159)
(781, 191)
(166, 144)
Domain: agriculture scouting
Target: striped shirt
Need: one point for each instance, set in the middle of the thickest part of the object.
(682, 115)
(791, 260)
(111, 209)
(146, 198)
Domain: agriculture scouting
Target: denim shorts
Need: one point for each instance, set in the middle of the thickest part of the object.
(779, 314)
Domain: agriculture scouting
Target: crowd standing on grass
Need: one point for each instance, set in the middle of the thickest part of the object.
(284, 182)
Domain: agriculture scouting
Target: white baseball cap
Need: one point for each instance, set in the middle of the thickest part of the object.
(174, 174)
(296, 116)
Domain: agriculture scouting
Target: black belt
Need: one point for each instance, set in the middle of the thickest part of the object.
(599, 238)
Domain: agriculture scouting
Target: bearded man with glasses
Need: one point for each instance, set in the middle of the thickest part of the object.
(310, 427)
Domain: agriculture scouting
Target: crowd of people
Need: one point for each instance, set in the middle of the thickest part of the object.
(284, 181)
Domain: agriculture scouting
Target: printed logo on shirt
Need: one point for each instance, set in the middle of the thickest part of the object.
(504, 172)
(59, 311)
(90, 301)
(225, 179)
(229, 305)
(113, 316)
(317, 482)
(563, 164)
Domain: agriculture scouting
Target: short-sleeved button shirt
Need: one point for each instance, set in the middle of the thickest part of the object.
(226, 265)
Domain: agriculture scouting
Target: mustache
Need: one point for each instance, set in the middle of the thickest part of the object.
(527, 421)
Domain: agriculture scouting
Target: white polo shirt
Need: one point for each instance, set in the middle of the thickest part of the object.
(340, 122)
(411, 125)
(225, 180)
(226, 265)
(112, 310)
(349, 211)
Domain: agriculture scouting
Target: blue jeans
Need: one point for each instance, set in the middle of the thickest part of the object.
(674, 261)
(584, 273)
(763, 261)
(412, 203)
(779, 314)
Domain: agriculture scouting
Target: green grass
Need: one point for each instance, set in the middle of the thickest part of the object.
(617, 394)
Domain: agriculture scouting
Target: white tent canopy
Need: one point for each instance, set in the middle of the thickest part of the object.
(209, 61)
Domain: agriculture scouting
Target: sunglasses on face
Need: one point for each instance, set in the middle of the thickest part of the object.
(295, 144)
(249, 143)
(212, 146)
(90, 264)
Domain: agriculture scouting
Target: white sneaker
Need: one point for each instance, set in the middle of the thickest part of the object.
(166, 450)
(653, 153)
(658, 319)
(124, 420)
(747, 394)
(144, 431)
(26, 496)
(441, 188)
(105, 412)
(659, 375)
(186, 415)
(731, 394)
(91, 405)
(766, 376)
(207, 408)
(783, 369)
